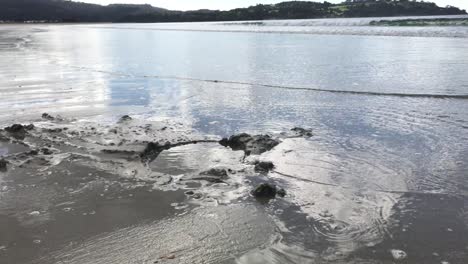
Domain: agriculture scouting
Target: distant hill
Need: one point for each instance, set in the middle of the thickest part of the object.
(68, 11)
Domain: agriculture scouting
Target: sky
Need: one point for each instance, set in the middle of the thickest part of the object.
(230, 4)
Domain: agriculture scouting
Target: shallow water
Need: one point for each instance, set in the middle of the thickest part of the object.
(385, 171)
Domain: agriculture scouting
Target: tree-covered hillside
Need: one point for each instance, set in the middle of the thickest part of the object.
(68, 11)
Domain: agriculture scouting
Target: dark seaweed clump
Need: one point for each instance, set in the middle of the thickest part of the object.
(302, 132)
(152, 151)
(125, 118)
(46, 116)
(268, 191)
(19, 131)
(256, 144)
(264, 166)
(3, 165)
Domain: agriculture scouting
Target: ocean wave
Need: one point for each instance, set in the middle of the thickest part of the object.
(329, 26)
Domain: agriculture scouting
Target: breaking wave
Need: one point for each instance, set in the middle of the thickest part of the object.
(330, 26)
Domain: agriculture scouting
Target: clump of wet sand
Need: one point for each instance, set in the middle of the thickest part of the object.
(57, 162)
(129, 148)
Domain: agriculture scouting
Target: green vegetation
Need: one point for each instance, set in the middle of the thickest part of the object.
(398, 8)
(422, 22)
(67, 11)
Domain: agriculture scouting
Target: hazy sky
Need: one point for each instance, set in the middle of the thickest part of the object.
(229, 4)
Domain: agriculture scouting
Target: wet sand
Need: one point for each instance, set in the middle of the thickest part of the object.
(69, 188)
(83, 192)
